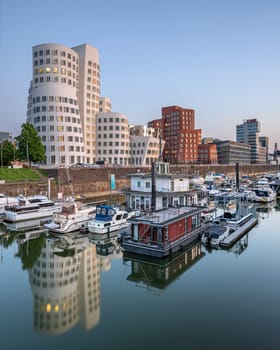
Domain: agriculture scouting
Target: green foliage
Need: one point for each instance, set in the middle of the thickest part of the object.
(30, 147)
(7, 241)
(30, 251)
(18, 175)
(7, 152)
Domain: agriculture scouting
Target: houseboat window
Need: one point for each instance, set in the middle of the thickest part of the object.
(147, 203)
(118, 217)
(181, 200)
(166, 233)
(125, 215)
(196, 219)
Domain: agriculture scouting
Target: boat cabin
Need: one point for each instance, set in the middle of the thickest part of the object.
(104, 212)
(108, 213)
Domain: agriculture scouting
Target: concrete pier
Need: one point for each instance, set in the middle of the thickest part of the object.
(238, 233)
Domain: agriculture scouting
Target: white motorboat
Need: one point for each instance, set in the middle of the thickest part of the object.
(108, 219)
(264, 194)
(211, 213)
(31, 208)
(73, 216)
(6, 201)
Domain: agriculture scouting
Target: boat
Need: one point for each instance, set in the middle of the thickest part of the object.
(211, 213)
(264, 194)
(108, 219)
(163, 232)
(29, 209)
(215, 233)
(236, 222)
(224, 232)
(238, 227)
(6, 201)
(73, 216)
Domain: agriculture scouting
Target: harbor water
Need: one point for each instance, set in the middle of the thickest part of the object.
(77, 292)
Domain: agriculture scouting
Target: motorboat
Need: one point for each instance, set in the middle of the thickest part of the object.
(29, 209)
(73, 216)
(108, 219)
(264, 194)
(211, 213)
(6, 201)
(215, 233)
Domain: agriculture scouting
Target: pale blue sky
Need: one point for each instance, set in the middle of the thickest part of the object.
(221, 58)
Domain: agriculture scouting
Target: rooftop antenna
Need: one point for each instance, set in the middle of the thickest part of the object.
(160, 146)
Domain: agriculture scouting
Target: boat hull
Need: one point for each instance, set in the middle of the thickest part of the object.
(163, 250)
(17, 217)
(94, 227)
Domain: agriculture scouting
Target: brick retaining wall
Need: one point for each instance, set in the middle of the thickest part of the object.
(97, 180)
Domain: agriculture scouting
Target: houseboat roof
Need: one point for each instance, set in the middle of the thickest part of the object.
(165, 216)
(149, 175)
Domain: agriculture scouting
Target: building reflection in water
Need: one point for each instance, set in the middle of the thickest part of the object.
(65, 282)
(157, 274)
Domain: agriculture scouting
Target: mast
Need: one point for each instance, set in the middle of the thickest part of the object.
(153, 204)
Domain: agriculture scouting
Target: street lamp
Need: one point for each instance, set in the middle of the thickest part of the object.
(49, 186)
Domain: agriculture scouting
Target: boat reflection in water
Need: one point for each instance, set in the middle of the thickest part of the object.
(25, 225)
(107, 245)
(157, 274)
(65, 281)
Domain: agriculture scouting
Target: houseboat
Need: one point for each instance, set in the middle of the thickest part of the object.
(161, 233)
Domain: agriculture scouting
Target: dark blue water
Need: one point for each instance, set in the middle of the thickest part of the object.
(74, 295)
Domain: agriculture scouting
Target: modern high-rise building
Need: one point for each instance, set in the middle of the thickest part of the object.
(248, 132)
(232, 152)
(63, 101)
(180, 136)
(146, 145)
(113, 142)
(104, 105)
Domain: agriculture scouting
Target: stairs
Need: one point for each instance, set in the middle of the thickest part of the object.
(70, 182)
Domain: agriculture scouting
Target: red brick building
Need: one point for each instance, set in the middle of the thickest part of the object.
(181, 138)
(207, 153)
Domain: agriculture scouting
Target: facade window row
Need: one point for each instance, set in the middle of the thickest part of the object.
(48, 79)
(55, 70)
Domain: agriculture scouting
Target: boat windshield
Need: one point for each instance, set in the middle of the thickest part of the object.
(261, 193)
(104, 212)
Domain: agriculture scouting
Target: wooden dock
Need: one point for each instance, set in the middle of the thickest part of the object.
(238, 233)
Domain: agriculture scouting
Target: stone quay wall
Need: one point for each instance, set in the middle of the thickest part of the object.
(95, 182)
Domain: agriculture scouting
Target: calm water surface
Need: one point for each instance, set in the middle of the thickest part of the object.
(78, 294)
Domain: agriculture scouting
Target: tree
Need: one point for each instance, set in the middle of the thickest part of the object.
(30, 147)
(7, 152)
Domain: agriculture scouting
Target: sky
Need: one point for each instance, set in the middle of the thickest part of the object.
(218, 57)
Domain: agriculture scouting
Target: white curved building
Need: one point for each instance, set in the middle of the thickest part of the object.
(113, 140)
(63, 101)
